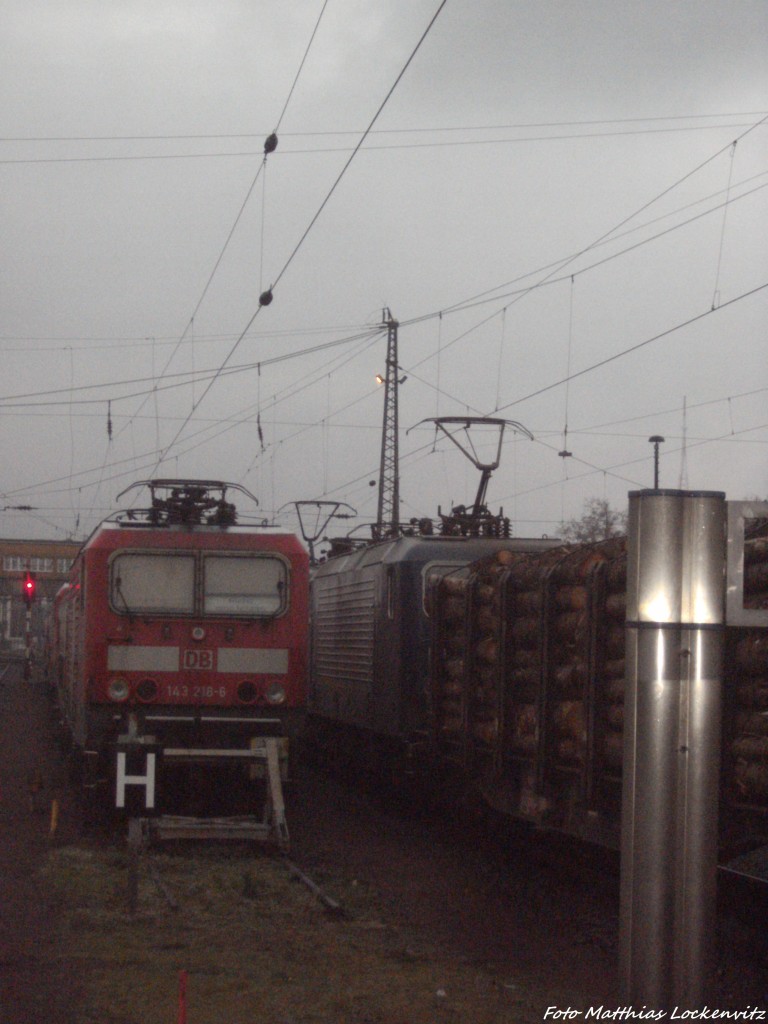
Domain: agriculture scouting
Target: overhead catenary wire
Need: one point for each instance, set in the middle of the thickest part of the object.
(292, 355)
(497, 402)
(491, 294)
(266, 297)
(422, 451)
(367, 474)
(387, 131)
(440, 314)
(228, 424)
(558, 266)
(716, 295)
(548, 281)
(380, 131)
(564, 453)
(269, 146)
(637, 461)
(288, 98)
(17, 401)
(505, 407)
(634, 348)
(138, 341)
(247, 154)
(428, 446)
(657, 413)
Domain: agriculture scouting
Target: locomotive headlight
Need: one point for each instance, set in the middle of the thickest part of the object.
(118, 689)
(275, 693)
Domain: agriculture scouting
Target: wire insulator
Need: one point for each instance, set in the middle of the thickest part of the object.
(270, 144)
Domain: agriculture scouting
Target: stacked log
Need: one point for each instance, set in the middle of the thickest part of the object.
(571, 588)
(612, 654)
(469, 657)
(485, 640)
(756, 573)
(487, 683)
(749, 742)
(450, 655)
(525, 610)
(530, 664)
(511, 619)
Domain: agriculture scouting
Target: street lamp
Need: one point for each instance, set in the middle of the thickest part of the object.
(656, 440)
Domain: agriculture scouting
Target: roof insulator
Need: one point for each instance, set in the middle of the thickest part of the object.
(266, 297)
(270, 145)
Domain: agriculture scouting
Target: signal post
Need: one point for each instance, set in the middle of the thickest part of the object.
(28, 593)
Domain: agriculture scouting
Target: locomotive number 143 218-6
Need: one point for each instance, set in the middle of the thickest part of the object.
(181, 691)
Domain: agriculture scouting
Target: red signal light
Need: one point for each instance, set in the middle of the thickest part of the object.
(28, 589)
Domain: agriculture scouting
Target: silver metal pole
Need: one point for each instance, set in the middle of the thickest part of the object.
(675, 615)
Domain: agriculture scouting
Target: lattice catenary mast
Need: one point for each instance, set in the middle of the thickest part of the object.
(388, 515)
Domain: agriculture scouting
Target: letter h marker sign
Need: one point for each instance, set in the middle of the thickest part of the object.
(147, 780)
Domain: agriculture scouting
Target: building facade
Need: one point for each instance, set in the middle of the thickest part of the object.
(48, 561)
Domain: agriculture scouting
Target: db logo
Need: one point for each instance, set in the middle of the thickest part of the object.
(195, 658)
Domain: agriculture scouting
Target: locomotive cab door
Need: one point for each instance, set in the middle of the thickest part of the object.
(387, 639)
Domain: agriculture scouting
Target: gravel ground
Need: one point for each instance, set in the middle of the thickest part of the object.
(31, 777)
(538, 910)
(538, 929)
(442, 882)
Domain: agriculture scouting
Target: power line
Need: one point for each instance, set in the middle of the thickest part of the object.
(665, 412)
(301, 66)
(247, 154)
(269, 146)
(263, 299)
(379, 131)
(634, 348)
(191, 377)
(552, 269)
(660, 195)
(621, 465)
(142, 341)
(490, 295)
(424, 448)
(223, 425)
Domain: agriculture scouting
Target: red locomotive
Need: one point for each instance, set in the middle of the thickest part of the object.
(181, 626)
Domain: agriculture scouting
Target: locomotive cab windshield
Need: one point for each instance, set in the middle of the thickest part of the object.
(201, 584)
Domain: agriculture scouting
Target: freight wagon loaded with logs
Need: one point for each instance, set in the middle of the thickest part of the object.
(528, 680)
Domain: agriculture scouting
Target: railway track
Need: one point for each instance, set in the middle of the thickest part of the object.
(539, 916)
(528, 900)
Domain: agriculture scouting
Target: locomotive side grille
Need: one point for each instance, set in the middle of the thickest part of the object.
(344, 631)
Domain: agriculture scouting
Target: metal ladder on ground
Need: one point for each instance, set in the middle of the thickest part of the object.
(264, 756)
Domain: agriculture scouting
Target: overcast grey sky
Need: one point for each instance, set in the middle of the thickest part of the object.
(551, 186)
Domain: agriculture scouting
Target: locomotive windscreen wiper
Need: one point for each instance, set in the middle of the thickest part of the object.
(119, 593)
